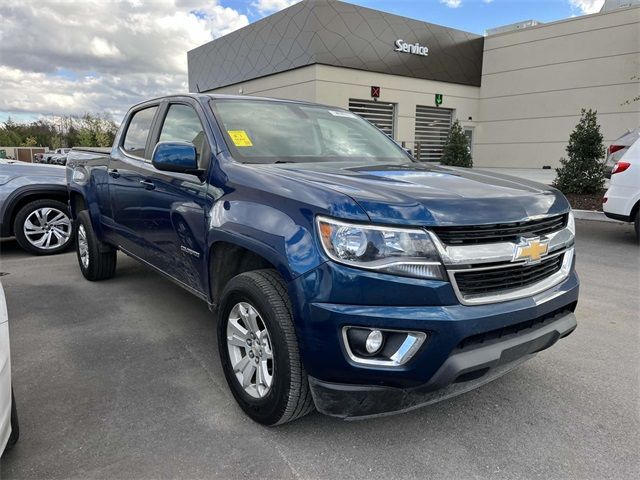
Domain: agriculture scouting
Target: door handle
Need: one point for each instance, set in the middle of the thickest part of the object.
(148, 184)
(114, 173)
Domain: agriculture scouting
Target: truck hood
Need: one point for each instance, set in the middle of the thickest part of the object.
(13, 169)
(420, 194)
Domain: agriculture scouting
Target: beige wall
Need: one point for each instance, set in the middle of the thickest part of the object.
(335, 86)
(296, 84)
(535, 81)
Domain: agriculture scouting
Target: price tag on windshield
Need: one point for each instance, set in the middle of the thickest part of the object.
(240, 138)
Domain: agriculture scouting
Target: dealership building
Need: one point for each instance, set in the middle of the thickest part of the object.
(517, 91)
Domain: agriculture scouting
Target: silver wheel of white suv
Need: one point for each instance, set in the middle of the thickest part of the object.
(250, 350)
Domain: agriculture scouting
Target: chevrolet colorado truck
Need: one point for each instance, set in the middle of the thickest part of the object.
(345, 276)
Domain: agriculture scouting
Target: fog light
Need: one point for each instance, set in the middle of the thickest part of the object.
(374, 341)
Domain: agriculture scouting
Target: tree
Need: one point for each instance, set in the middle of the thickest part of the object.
(583, 171)
(30, 142)
(456, 149)
(91, 130)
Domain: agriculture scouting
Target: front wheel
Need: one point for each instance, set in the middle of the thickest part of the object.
(97, 260)
(43, 227)
(259, 349)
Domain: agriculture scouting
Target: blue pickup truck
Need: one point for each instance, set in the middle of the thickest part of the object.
(345, 275)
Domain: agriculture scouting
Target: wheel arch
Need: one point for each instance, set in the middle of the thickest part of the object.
(77, 203)
(22, 196)
(228, 259)
(634, 210)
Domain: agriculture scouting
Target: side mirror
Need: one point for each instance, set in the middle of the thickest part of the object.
(408, 150)
(177, 157)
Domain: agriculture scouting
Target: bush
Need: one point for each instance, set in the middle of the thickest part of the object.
(456, 150)
(584, 171)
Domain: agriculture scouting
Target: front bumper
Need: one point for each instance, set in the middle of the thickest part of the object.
(464, 370)
(347, 388)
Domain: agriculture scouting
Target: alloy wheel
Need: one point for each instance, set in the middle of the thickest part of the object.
(250, 350)
(83, 246)
(47, 228)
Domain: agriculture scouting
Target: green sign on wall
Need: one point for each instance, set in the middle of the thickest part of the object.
(438, 99)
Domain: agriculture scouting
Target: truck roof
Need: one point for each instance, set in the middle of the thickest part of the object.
(221, 96)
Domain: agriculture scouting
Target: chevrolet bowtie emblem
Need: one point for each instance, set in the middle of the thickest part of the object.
(531, 250)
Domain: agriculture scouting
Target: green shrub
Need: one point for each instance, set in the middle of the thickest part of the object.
(584, 170)
(456, 150)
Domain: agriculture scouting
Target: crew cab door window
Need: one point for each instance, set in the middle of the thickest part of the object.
(183, 125)
(135, 140)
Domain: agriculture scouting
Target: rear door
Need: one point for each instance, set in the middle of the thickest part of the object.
(128, 168)
(173, 211)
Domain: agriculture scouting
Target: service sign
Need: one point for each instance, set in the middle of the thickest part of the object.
(413, 48)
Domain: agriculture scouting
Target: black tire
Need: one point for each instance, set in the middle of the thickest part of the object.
(101, 258)
(289, 397)
(636, 225)
(25, 212)
(15, 427)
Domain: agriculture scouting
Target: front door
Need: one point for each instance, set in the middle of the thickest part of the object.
(173, 212)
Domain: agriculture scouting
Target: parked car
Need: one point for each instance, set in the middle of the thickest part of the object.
(58, 159)
(344, 275)
(619, 148)
(34, 207)
(9, 429)
(622, 200)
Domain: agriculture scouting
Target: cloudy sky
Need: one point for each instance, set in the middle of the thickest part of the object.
(61, 57)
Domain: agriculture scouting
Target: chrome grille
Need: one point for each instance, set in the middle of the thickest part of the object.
(504, 232)
(502, 279)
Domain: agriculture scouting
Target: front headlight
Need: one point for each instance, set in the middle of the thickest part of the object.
(399, 251)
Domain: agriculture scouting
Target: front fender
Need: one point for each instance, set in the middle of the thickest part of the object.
(284, 239)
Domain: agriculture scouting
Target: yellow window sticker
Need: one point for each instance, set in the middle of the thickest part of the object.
(240, 138)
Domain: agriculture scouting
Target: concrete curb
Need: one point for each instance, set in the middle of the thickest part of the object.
(593, 216)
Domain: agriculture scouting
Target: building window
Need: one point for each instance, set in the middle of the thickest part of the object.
(381, 114)
(432, 128)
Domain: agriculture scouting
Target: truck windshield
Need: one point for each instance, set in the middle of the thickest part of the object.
(262, 131)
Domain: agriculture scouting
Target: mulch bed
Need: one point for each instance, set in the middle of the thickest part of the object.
(592, 201)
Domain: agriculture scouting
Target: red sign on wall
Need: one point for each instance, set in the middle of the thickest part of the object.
(375, 92)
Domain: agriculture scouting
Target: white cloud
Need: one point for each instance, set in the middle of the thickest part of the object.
(60, 57)
(271, 6)
(451, 3)
(587, 6)
(487, 1)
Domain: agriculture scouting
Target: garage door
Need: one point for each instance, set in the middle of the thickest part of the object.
(432, 128)
(381, 114)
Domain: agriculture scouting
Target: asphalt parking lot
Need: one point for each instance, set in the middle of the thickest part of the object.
(121, 379)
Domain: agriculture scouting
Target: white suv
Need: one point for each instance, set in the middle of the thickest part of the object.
(622, 200)
(8, 417)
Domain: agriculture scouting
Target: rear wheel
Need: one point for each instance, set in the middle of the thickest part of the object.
(259, 349)
(96, 259)
(636, 225)
(43, 227)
